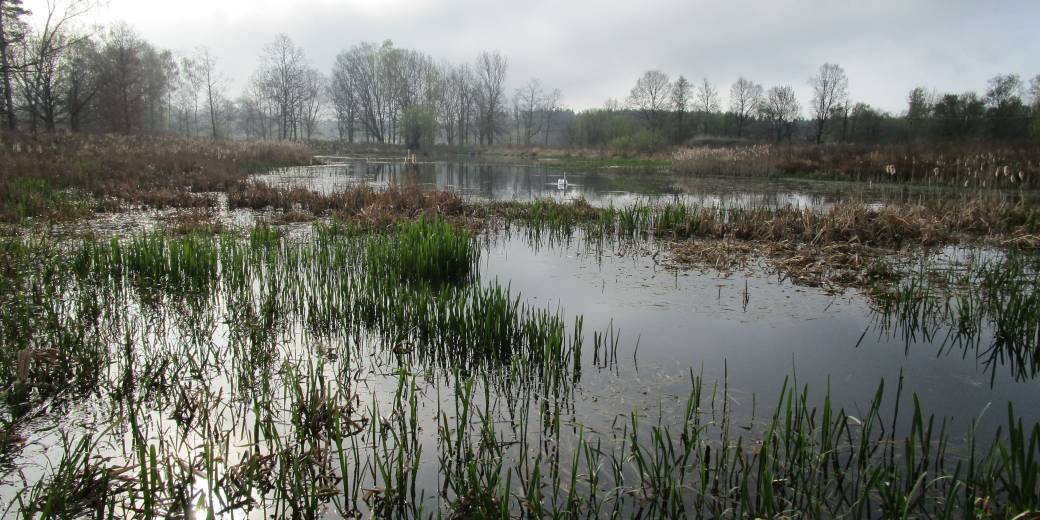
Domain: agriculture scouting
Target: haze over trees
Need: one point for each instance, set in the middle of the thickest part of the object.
(59, 76)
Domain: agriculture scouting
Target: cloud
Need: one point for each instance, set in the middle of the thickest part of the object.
(595, 50)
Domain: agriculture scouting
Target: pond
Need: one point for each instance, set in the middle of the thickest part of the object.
(607, 186)
(274, 376)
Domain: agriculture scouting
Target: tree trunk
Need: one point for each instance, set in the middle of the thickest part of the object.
(5, 69)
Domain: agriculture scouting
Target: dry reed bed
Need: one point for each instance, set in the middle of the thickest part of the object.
(49, 175)
(849, 245)
(957, 164)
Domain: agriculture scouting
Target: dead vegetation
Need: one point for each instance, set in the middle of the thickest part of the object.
(976, 165)
(362, 204)
(66, 176)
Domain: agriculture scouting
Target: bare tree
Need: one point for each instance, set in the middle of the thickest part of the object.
(552, 105)
(453, 97)
(707, 101)
(256, 108)
(491, 77)
(681, 95)
(79, 83)
(830, 90)
(530, 102)
(284, 65)
(361, 75)
(42, 53)
(650, 96)
(190, 86)
(344, 102)
(312, 101)
(745, 96)
(136, 78)
(12, 31)
(213, 85)
(780, 107)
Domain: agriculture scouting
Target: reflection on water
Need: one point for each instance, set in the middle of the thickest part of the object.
(604, 187)
(695, 319)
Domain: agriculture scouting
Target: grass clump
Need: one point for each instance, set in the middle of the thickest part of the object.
(428, 250)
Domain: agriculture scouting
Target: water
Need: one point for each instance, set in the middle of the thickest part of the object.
(692, 319)
(749, 331)
(604, 187)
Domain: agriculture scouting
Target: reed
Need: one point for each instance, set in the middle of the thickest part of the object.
(972, 166)
(428, 250)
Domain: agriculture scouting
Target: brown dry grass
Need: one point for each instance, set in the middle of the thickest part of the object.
(965, 165)
(833, 266)
(38, 173)
(361, 204)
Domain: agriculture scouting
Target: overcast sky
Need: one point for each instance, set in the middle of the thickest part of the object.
(594, 50)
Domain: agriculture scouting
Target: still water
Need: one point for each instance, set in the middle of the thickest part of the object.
(607, 186)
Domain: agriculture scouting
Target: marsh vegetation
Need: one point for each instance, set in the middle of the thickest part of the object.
(394, 350)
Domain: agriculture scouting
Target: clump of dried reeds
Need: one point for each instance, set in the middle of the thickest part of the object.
(977, 166)
(44, 175)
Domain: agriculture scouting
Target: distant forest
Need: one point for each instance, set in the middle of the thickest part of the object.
(56, 77)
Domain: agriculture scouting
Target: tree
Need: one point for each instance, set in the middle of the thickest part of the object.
(830, 90)
(419, 127)
(650, 97)
(707, 102)
(362, 76)
(42, 52)
(958, 116)
(780, 108)
(284, 65)
(1034, 92)
(190, 87)
(491, 77)
(12, 31)
(745, 96)
(681, 93)
(312, 101)
(343, 101)
(552, 105)
(865, 123)
(136, 79)
(1007, 114)
(530, 103)
(79, 83)
(213, 85)
(919, 109)
(456, 102)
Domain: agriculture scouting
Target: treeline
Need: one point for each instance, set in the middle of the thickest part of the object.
(55, 77)
(660, 111)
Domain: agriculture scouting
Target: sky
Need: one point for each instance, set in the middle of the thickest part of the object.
(595, 50)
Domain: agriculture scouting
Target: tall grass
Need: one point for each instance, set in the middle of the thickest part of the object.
(974, 166)
(423, 250)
